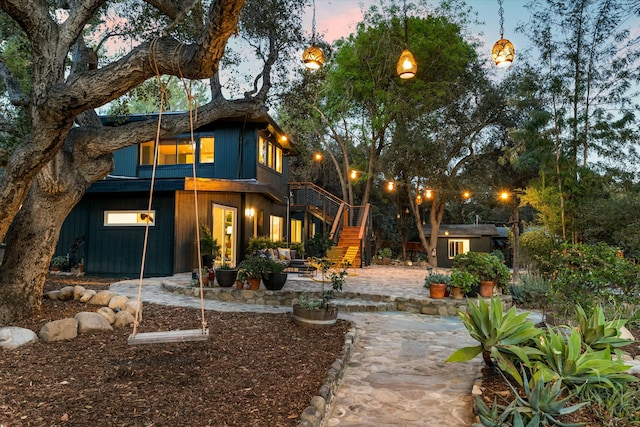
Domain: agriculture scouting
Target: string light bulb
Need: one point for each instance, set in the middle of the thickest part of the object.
(390, 186)
(428, 194)
(354, 174)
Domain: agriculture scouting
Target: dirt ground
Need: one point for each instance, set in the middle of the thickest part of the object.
(255, 370)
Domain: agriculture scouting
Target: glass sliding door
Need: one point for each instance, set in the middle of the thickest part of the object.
(224, 230)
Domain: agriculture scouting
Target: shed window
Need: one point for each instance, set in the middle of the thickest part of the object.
(458, 247)
(129, 218)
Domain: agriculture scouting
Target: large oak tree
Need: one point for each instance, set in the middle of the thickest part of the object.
(66, 148)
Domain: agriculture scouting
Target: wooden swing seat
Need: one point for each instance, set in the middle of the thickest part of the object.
(168, 337)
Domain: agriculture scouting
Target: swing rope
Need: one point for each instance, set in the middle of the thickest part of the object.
(163, 96)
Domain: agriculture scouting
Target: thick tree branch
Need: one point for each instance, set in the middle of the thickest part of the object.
(16, 96)
(168, 7)
(164, 55)
(105, 140)
(32, 16)
(80, 13)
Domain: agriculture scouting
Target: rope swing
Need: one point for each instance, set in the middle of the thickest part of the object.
(201, 334)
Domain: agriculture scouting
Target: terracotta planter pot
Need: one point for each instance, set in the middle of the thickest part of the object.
(486, 288)
(321, 318)
(457, 293)
(254, 284)
(437, 290)
(239, 284)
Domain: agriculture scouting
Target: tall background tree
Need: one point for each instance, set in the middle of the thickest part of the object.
(61, 77)
(589, 67)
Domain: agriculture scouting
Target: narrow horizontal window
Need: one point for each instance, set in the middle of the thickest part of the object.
(129, 218)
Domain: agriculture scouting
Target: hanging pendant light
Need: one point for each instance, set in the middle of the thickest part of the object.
(313, 57)
(503, 51)
(406, 66)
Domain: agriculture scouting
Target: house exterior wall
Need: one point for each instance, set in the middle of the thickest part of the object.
(185, 229)
(172, 247)
(117, 251)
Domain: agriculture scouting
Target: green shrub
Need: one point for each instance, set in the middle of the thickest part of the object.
(319, 244)
(531, 292)
(463, 279)
(258, 243)
(589, 275)
(385, 253)
(483, 265)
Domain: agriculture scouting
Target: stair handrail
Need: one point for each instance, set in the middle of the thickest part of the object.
(338, 222)
(301, 185)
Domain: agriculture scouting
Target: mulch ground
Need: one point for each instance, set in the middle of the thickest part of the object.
(255, 370)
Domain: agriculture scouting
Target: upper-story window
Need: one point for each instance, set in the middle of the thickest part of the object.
(177, 151)
(270, 155)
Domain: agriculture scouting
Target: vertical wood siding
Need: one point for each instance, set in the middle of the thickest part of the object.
(186, 249)
(118, 250)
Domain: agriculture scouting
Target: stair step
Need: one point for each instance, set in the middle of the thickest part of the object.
(357, 305)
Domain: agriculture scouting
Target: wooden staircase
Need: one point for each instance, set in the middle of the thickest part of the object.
(349, 237)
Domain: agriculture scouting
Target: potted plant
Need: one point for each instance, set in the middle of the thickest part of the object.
(59, 263)
(196, 274)
(276, 278)
(437, 284)
(299, 250)
(489, 269)
(226, 275)
(253, 268)
(461, 282)
(314, 312)
(385, 254)
(209, 247)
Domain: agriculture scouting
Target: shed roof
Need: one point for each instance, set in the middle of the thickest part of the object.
(464, 230)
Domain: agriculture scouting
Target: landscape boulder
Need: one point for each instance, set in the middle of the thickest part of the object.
(91, 323)
(102, 298)
(123, 318)
(66, 293)
(87, 295)
(13, 337)
(117, 301)
(108, 314)
(58, 330)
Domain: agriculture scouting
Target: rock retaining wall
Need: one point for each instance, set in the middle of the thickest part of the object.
(426, 305)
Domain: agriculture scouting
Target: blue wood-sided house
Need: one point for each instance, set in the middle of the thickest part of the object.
(242, 174)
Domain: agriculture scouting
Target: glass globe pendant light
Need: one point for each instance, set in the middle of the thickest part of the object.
(503, 51)
(313, 57)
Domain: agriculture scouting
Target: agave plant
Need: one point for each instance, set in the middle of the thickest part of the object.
(565, 361)
(503, 338)
(598, 333)
(542, 403)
